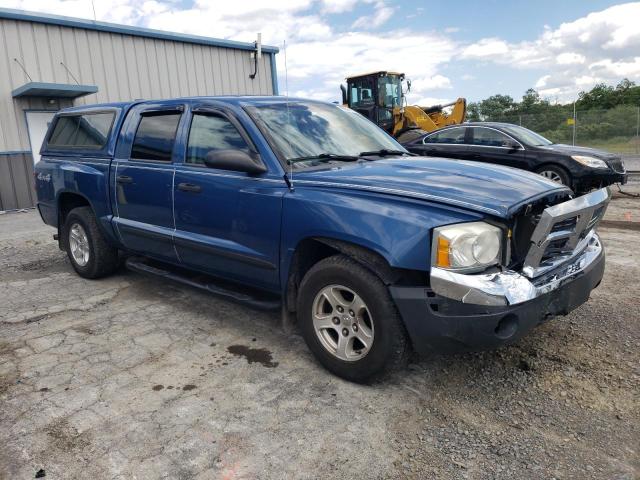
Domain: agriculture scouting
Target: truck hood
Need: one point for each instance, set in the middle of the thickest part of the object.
(487, 188)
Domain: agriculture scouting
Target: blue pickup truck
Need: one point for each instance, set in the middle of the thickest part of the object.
(309, 207)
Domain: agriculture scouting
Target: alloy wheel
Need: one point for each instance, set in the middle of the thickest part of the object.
(343, 323)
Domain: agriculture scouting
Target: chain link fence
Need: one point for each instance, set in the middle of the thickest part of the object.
(616, 130)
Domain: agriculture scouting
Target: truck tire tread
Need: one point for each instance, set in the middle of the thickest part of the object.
(104, 258)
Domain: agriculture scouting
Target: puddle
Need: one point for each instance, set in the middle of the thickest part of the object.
(254, 355)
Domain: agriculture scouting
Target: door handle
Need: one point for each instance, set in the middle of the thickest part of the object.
(124, 179)
(189, 187)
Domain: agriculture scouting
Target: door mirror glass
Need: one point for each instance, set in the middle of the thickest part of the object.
(511, 145)
(236, 160)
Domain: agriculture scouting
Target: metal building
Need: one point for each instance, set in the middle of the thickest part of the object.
(49, 62)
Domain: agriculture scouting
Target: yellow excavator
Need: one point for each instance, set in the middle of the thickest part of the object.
(380, 97)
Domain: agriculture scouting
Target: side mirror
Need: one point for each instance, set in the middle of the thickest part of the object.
(345, 100)
(511, 145)
(236, 160)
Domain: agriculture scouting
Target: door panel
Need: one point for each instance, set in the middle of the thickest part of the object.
(231, 227)
(143, 183)
(37, 126)
(448, 143)
(227, 223)
(144, 207)
(488, 145)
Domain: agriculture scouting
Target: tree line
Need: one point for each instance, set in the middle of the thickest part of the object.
(603, 112)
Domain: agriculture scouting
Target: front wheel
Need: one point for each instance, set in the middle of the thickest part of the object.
(555, 174)
(349, 320)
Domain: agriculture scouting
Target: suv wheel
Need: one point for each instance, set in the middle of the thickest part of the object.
(556, 174)
(349, 320)
(90, 254)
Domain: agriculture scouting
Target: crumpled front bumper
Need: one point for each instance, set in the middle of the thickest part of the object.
(565, 261)
(440, 324)
(509, 287)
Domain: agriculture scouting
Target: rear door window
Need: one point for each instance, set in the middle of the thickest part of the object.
(453, 136)
(82, 131)
(155, 137)
(487, 137)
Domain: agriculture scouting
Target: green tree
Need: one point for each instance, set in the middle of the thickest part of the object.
(495, 107)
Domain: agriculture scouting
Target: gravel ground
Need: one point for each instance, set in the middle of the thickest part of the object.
(131, 377)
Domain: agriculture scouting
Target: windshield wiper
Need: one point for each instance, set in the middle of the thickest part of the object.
(324, 157)
(386, 152)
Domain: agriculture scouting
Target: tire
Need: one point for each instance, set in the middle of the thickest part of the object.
(556, 174)
(389, 347)
(101, 259)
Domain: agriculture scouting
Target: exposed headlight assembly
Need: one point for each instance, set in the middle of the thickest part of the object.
(587, 161)
(466, 247)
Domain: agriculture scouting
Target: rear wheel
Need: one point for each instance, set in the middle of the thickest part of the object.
(90, 254)
(349, 320)
(555, 174)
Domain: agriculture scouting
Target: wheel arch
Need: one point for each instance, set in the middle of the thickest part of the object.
(311, 250)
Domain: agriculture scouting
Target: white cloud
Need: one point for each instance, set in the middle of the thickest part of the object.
(338, 6)
(602, 46)
(542, 81)
(378, 18)
(570, 58)
(486, 48)
(431, 83)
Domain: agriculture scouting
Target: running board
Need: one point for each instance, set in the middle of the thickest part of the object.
(247, 296)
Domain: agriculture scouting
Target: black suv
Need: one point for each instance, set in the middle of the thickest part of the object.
(580, 168)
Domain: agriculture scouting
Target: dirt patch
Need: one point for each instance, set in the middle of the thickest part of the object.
(253, 355)
(65, 437)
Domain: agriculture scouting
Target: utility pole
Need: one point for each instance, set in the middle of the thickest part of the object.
(574, 122)
(638, 131)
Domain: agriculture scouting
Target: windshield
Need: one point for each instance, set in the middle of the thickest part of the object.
(526, 136)
(308, 129)
(389, 91)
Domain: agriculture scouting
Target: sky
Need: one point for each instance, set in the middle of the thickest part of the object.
(448, 49)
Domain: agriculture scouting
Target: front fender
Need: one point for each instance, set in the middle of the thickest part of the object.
(397, 228)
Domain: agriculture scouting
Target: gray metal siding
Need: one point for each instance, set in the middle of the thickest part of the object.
(123, 66)
(16, 181)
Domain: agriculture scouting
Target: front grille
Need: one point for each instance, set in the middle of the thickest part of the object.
(560, 231)
(617, 164)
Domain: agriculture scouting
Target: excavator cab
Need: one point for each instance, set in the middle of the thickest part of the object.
(379, 97)
(375, 95)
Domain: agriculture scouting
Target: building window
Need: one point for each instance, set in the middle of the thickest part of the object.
(212, 132)
(155, 137)
(81, 131)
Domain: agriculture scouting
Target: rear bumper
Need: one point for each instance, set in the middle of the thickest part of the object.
(438, 323)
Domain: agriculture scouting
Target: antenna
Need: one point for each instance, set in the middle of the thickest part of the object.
(286, 91)
(94, 11)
